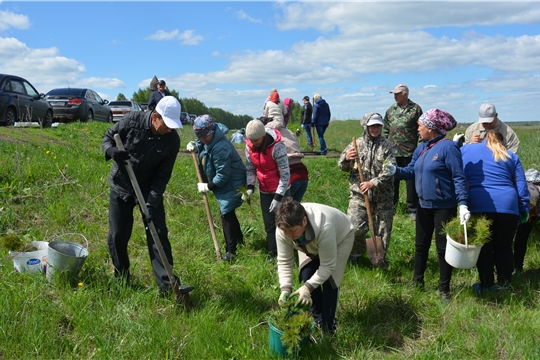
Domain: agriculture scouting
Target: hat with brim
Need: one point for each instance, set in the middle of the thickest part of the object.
(169, 109)
(161, 82)
(400, 88)
(487, 113)
(375, 119)
(204, 125)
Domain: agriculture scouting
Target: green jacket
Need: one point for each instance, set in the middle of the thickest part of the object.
(401, 128)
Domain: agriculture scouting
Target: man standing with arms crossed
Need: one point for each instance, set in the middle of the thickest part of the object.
(401, 128)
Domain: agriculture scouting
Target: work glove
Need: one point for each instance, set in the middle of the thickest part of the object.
(191, 147)
(304, 296)
(247, 195)
(283, 298)
(464, 214)
(203, 188)
(274, 206)
(148, 218)
(458, 136)
(523, 217)
(117, 155)
(389, 168)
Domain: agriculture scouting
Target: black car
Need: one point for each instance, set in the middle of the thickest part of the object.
(20, 101)
(83, 104)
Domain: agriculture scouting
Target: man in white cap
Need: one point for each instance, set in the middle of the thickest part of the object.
(401, 128)
(151, 145)
(488, 120)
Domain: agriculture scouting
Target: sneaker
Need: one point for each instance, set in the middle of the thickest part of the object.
(517, 271)
(229, 256)
(477, 288)
(418, 284)
(446, 298)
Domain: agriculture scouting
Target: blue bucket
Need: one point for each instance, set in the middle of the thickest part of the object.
(276, 346)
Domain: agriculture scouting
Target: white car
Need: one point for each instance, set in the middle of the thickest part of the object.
(122, 107)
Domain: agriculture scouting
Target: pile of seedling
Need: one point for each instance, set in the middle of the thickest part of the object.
(296, 323)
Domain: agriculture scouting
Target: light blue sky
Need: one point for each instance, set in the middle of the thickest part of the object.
(453, 56)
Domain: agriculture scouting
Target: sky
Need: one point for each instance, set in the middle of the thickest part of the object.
(229, 54)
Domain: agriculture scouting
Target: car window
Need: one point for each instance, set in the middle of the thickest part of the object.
(17, 86)
(120, 103)
(30, 89)
(98, 98)
(90, 95)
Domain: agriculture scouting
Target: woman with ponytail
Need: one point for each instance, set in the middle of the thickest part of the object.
(497, 190)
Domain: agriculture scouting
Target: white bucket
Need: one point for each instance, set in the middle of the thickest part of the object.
(461, 256)
(65, 258)
(32, 261)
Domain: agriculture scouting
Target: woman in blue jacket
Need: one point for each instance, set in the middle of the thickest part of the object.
(225, 174)
(437, 170)
(321, 119)
(498, 190)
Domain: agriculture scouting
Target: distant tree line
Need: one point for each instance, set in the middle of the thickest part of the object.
(194, 106)
(197, 107)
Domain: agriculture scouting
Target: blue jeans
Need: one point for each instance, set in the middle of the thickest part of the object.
(307, 129)
(298, 189)
(320, 133)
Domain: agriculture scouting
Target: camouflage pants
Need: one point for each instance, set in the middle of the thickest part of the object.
(383, 215)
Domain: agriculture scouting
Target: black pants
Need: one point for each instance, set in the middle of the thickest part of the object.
(120, 227)
(427, 222)
(520, 243)
(498, 252)
(325, 298)
(412, 196)
(231, 231)
(269, 219)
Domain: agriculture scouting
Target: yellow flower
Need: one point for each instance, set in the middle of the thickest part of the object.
(81, 284)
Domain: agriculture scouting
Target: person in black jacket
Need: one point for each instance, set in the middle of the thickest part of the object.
(151, 146)
(307, 111)
(158, 94)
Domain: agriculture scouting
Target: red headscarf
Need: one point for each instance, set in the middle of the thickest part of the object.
(274, 97)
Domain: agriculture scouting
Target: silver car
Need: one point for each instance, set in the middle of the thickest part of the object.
(122, 107)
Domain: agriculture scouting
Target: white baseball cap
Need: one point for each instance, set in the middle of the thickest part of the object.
(169, 108)
(487, 113)
(375, 119)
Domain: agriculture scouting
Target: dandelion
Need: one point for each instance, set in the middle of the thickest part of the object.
(81, 284)
(48, 152)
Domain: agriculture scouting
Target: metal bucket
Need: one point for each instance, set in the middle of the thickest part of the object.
(65, 258)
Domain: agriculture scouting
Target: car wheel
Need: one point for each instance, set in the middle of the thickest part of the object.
(47, 122)
(11, 116)
(90, 116)
(109, 118)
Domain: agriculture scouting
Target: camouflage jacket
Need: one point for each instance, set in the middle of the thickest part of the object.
(373, 153)
(401, 128)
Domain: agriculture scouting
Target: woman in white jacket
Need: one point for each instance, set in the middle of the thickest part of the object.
(275, 108)
(324, 237)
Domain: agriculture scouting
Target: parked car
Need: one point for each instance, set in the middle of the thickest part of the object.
(122, 107)
(192, 118)
(74, 103)
(20, 101)
(184, 117)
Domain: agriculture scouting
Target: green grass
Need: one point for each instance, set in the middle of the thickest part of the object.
(54, 181)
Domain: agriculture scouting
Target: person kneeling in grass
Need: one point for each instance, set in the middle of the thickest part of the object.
(324, 237)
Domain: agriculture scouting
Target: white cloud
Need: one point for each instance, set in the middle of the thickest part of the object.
(187, 37)
(11, 20)
(102, 83)
(243, 16)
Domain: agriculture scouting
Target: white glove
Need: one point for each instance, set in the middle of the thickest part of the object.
(389, 168)
(464, 214)
(458, 136)
(274, 205)
(247, 196)
(191, 147)
(203, 188)
(283, 298)
(304, 296)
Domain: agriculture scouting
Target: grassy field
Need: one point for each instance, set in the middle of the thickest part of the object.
(54, 181)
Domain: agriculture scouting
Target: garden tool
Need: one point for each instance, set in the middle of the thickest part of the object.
(207, 206)
(374, 244)
(181, 298)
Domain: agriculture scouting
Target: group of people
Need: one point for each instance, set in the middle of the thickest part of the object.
(443, 180)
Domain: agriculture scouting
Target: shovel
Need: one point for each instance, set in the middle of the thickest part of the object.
(374, 245)
(181, 298)
(208, 213)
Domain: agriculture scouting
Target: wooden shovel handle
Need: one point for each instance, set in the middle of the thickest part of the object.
(366, 197)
